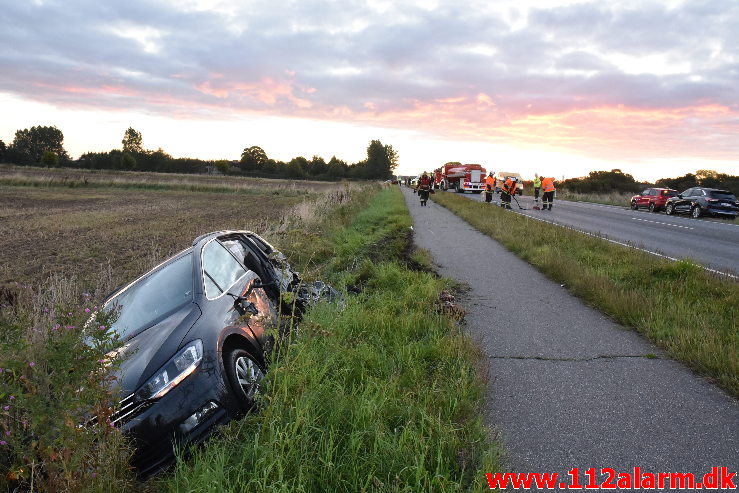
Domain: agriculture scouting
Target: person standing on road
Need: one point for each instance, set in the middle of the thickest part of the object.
(508, 191)
(424, 188)
(548, 185)
(489, 187)
(537, 188)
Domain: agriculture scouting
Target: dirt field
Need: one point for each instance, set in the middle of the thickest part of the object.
(81, 231)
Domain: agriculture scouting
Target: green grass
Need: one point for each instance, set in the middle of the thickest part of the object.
(678, 305)
(382, 395)
(613, 198)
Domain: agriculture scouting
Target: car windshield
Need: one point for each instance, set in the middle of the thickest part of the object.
(722, 194)
(152, 297)
(669, 193)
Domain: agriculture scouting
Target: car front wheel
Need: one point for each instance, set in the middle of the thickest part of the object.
(244, 375)
(633, 205)
(651, 207)
(696, 211)
(670, 209)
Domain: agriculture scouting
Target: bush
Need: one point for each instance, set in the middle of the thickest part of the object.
(55, 394)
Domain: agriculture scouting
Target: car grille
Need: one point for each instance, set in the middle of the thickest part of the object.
(126, 410)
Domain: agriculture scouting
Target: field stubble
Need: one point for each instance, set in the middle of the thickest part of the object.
(81, 231)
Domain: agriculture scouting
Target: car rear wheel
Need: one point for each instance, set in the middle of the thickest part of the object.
(633, 205)
(670, 209)
(696, 211)
(244, 375)
(652, 208)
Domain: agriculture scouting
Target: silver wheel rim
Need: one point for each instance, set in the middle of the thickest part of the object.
(248, 375)
(696, 212)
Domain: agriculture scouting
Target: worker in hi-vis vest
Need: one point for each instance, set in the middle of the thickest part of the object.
(547, 184)
(537, 188)
(489, 187)
(508, 190)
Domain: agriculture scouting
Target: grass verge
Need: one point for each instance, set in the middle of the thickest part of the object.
(612, 198)
(381, 395)
(677, 305)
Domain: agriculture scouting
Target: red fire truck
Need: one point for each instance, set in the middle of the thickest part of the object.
(460, 177)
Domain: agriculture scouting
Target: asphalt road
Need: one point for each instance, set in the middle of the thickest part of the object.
(713, 243)
(568, 387)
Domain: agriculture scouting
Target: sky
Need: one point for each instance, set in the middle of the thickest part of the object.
(559, 88)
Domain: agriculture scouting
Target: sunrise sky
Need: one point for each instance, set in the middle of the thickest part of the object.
(555, 87)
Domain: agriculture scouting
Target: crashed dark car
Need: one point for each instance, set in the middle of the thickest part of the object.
(196, 334)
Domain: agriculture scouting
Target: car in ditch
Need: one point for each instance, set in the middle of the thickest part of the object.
(653, 199)
(196, 337)
(702, 201)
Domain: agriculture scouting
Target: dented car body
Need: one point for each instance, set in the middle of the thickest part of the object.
(196, 334)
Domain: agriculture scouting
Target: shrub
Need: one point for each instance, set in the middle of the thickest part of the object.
(55, 397)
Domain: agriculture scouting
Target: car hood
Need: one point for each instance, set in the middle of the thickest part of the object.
(145, 353)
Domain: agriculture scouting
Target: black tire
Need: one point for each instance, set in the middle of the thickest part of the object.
(696, 211)
(670, 209)
(652, 208)
(634, 206)
(244, 375)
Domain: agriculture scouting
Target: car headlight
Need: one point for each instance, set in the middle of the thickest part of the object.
(176, 370)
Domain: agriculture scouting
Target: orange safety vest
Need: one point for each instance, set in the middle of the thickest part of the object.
(547, 184)
(490, 181)
(509, 187)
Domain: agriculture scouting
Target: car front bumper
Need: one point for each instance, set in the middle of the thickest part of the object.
(186, 415)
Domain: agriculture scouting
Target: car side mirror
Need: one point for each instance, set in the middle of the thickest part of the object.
(679, 195)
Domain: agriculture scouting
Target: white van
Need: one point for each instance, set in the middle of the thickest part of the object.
(502, 176)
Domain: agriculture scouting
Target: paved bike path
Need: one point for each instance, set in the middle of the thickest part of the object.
(568, 387)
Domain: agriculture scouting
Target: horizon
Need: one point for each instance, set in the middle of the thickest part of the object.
(556, 88)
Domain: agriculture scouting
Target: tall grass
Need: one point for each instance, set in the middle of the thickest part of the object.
(380, 395)
(53, 378)
(612, 198)
(680, 307)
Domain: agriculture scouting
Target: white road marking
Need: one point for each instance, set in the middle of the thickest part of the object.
(714, 271)
(660, 222)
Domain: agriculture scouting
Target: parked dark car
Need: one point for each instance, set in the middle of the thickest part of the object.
(700, 201)
(653, 199)
(196, 341)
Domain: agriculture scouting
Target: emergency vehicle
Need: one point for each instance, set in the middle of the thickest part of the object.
(460, 177)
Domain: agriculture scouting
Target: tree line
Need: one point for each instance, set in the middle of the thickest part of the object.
(619, 182)
(44, 146)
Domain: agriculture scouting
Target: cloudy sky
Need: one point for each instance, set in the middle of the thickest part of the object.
(555, 87)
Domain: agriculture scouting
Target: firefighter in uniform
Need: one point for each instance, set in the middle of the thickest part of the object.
(489, 187)
(547, 184)
(537, 188)
(424, 188)
(508, 191)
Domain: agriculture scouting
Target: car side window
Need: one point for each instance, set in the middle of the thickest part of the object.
(645, 192)
(688, 192)
(652, 192)
(220, 269)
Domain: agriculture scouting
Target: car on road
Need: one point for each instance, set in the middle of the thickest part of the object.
(196, 335)
(653, 199)
(701, 201)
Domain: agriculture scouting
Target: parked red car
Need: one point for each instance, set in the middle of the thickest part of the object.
(653, 199)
